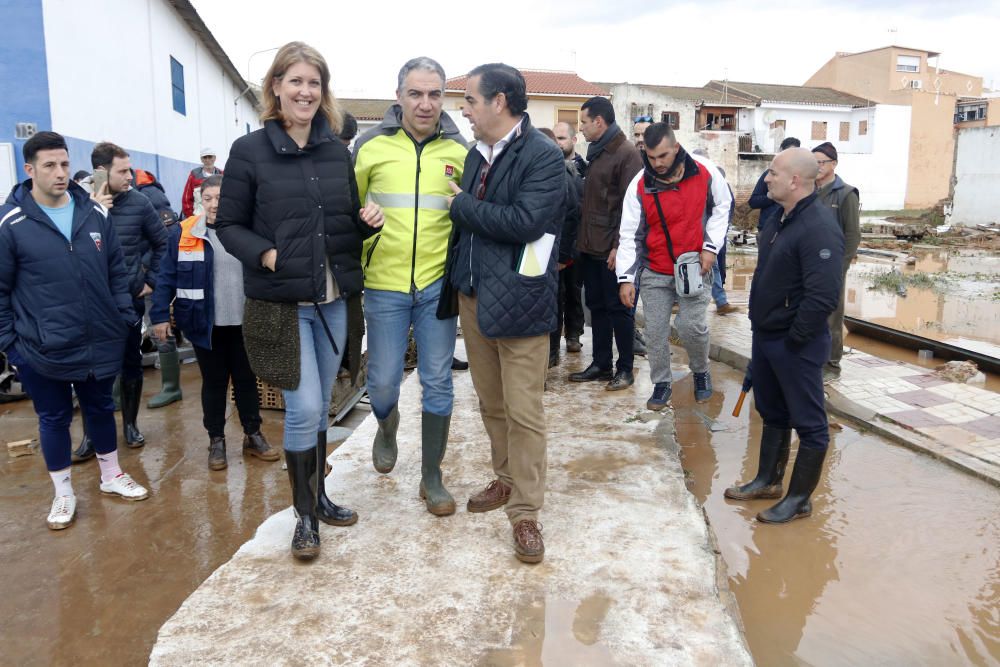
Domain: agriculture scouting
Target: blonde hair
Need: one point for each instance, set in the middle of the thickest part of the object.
(292, 54)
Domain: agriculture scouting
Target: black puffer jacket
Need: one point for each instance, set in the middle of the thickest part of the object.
(276, 195)
(139, 231)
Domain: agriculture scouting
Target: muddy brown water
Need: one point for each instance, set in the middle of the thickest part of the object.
(898, 565)
(965, 314)
(98, 592)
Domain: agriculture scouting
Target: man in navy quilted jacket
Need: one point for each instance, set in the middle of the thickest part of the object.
(508, 211)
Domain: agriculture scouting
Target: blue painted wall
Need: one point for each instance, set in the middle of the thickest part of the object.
(24, 82)
(171, 173)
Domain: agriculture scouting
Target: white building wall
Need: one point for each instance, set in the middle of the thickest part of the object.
(977, 177)
(119, 88)
(798, 123)
(881, 174)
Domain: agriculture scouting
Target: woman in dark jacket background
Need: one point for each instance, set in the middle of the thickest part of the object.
(289, 211)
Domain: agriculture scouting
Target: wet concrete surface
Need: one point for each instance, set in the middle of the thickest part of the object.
(96, 593)
(629, 575)
(898, 565)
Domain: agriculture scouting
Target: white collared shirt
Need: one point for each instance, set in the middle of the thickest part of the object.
(491, 153)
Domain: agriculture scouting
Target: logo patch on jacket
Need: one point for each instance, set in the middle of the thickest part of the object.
(824, 253)
(97, 239)
(449, 170)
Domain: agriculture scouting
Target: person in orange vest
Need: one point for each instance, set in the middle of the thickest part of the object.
(209, 310)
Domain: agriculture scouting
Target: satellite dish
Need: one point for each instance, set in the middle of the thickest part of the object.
(905, 81)
(968, 86)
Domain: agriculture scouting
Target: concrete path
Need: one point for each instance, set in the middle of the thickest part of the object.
(630, 576)
(911, 405)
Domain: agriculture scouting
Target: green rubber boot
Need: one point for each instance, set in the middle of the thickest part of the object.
(170, 370)
(384, 449)
(434, 431)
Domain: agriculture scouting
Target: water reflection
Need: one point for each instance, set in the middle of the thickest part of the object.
(899, 564)
(967, 314)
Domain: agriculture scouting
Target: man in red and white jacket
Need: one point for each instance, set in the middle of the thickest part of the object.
(679, 203)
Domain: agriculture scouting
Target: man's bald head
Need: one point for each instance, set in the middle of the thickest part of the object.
(800, 162)
(792, 177)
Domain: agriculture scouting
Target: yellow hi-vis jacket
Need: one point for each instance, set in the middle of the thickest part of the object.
(409, 180)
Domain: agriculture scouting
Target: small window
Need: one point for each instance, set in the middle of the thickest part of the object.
(177, 85)
(818, 131)
(671, 118)
(907, 63)
(862, 127)
(845, 131)
(571, 116)
(778, 123)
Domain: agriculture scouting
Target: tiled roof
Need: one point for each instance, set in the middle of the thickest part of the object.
(365, 109)
(771, 92)
(540, 82)
(692, 93)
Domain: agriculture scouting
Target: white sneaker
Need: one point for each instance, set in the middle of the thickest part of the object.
(63, 512)
(124, 486)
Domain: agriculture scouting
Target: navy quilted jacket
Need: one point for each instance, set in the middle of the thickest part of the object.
(525, 198)
(65, 307)
(140, 231)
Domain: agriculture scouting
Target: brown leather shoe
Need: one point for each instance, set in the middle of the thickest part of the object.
(726, 308)
(496, 494)
(257, 445)
(217, 454)
(528, 544)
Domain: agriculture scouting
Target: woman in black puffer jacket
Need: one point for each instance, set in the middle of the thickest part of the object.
(289, 211)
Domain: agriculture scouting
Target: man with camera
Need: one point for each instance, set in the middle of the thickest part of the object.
(665, 236)
(140, 231)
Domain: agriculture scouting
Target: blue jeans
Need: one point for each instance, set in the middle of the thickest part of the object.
(307, 407)
(53, 403)
(389, 316)
(718, 292)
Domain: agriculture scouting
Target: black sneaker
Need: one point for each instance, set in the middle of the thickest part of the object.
(702, 386)
(661, 396)
(621, 380)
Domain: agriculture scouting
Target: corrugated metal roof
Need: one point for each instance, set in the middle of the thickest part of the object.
(191, 17)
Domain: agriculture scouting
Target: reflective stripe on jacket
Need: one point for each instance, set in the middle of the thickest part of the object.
(409, 180)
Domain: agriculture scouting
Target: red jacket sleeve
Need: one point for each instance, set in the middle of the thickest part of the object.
(187, 199)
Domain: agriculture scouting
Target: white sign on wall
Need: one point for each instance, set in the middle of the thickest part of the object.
(8, 172)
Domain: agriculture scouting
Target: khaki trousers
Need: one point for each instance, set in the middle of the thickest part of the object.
(509, 377)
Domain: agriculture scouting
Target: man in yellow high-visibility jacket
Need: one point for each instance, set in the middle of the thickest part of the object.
(405, 165)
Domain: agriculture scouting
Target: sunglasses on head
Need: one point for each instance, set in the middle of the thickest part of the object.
(642, 119)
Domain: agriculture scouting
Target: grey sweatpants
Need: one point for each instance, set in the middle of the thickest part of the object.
(658, 296)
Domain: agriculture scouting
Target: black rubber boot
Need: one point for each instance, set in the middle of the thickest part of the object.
(170, 371)
(384, 450)
(774, 445)
(85, 451)
(131, 393)
(328, 512)
(805, 477)
(302, 475)
(434, 437)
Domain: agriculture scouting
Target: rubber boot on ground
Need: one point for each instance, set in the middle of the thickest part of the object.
(434, 438)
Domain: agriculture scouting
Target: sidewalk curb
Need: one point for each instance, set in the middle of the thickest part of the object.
(666, 435)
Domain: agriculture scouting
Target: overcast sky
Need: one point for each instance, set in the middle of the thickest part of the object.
(615, 40)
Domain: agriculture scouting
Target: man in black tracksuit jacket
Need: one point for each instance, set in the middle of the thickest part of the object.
(795, 288)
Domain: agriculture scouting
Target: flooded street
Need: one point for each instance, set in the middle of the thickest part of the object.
(963, 308)
(898, 565)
